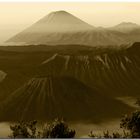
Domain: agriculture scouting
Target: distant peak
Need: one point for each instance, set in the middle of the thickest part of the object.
(126, 27)
(61, 21)
(127, 24)
(61, 12)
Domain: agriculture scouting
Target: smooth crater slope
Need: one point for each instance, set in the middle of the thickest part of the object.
(45, 98)
(59, 21)
(54, 24)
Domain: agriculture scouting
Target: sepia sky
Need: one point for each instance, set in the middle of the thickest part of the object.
(14, 17)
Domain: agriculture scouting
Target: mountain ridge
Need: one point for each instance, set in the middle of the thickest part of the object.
(125, 27)
(63, 28)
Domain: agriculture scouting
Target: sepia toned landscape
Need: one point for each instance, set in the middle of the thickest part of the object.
(62, 77)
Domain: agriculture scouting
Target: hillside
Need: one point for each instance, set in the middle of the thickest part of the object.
(116, 72)
(45, 98)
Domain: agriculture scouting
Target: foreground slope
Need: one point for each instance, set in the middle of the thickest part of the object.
(114, 72)
(45, 98)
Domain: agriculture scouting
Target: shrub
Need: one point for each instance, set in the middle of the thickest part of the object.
(24, 130)
(58, 129)
(132, 124)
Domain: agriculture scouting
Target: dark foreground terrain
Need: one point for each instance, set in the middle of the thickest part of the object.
(79, 83)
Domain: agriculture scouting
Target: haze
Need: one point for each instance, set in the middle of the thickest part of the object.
(14, 17)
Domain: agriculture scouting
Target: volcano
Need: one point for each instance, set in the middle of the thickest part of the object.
(62, 28)
(46, 98)
(54, 23)
(114, 72)
(59, 21)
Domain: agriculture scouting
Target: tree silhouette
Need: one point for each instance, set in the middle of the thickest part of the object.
(132, 124)
(24, 130)
(58, 129)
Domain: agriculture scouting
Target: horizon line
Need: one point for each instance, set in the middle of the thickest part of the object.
(28, 1)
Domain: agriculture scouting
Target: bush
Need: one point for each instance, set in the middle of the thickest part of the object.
(132, 124)
(106, 134)
(56, 129)
(138, 102)
(24, 130)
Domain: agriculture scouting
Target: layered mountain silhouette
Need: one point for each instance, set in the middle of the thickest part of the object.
(52, 27)
(45, 98)
(78, 74)
(61, 28)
